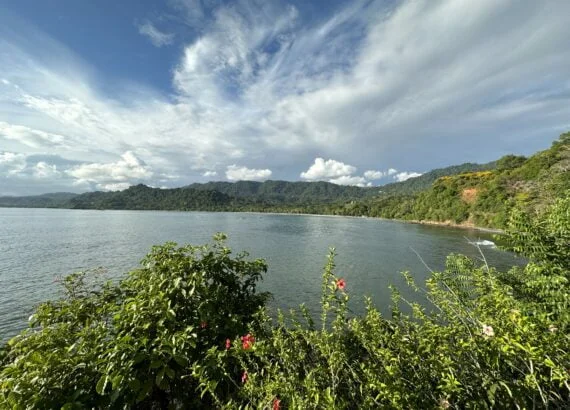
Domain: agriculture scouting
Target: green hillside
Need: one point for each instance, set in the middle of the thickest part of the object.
(285, 192)
(145, 198)
(482, 198)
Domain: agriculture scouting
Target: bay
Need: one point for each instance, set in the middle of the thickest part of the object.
(39, 245)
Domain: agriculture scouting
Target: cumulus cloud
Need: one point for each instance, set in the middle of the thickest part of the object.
(322, 170)
(350, 180)
(374, 174)
(108, 176)
(404, 176)
(156, 37)
(339, 173)
(209, 174)
(237, 173)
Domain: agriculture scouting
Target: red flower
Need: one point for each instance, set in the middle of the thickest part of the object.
(341, 284)
(228, 344)
(244, 377)
(276, 404)
(247, 341)
(203, 325)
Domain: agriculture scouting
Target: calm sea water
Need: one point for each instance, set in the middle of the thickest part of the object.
(39, 245)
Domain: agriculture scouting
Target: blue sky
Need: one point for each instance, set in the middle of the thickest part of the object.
(98, 95)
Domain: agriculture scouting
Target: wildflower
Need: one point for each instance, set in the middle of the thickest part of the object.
(247, 341)
(244, 376)
(552, 329)
(341, 284)
(203, 325)
(228, 344)
(488, 331)
(444, 403)
(276, 404)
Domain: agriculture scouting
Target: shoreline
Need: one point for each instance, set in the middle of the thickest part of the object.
(452, 225)
(445, 224)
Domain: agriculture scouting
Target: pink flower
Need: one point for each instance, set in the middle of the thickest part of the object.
(228, 344)
(488, 331)
(247, 341)
(203, 325)
(276, 404)
(244, 377)
(341, 284)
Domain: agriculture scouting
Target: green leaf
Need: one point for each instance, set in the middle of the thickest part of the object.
(101, 384)
(160, 376)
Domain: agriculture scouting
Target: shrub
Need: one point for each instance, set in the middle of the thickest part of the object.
(136, 342)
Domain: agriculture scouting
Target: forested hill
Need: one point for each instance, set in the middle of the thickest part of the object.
(482, 198)
(146, 198)
(285, 192)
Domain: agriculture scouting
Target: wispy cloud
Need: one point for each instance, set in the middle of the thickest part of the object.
(403, 84)
(156, 37)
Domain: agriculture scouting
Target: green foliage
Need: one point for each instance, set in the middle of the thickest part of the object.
(510, 162)
(138, 341)
(545, 240)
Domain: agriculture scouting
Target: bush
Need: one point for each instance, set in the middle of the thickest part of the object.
(136, 342)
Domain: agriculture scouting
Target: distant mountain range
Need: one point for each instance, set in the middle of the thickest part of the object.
(239, 193)
(472, 194)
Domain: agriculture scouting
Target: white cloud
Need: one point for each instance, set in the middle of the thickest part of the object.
(330, 168)
(236, 173)
(30, 137)
(126, 171)
(374, 174)
(157, 37)
(119, 186)
(12, 163)
(403, 176)
(44, 170)
(350, 180)
(209, 174)
(391, 171)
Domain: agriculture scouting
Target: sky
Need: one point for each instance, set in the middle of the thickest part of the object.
(101, 94)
